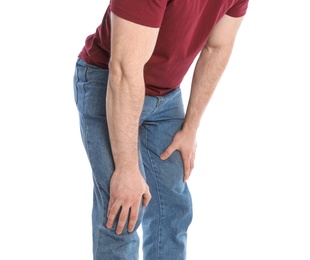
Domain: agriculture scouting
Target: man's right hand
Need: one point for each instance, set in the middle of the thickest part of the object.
(126, 192)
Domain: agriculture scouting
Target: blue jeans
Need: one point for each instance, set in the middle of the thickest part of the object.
(167, 217)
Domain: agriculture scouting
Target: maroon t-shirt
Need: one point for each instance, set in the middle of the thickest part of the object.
(184, 25)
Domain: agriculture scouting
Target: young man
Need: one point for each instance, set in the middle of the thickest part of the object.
(139, 140)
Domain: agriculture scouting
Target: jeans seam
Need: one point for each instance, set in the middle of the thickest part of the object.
(90, 159)
(77, 80)
(88, 146)
(159, 200)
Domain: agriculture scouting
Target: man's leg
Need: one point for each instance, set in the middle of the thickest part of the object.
(90, 83)
(169, 213)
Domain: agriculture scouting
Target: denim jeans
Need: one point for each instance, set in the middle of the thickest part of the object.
(166, 219)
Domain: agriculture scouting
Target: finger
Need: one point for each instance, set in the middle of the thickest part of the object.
(112, 213)
(192, 163)
(123, 216)
(133, 217)
(187, 168)
(166, 154)
(146, 198)
(109, 206)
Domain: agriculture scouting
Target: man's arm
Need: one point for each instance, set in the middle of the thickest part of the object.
(208, 71)
(131, 47)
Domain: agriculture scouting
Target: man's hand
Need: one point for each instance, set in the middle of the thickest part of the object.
(126, 192)
(186, 144)
(208, 70)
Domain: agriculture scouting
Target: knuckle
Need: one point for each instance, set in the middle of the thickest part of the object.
(133, 216)
(113, 211)
(122, 219)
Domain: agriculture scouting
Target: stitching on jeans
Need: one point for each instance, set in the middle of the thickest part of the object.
(159, 198)
(86, 129)
(97, 235)
(77, 80)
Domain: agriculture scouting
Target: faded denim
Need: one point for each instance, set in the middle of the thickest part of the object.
(166, 219)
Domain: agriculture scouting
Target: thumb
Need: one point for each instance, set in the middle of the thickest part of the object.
(166, 154)
(146, 197)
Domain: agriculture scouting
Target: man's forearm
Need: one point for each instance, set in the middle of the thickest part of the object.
(208, 71)
(124, 104)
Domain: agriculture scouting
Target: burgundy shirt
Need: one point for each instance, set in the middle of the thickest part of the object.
(185, 26)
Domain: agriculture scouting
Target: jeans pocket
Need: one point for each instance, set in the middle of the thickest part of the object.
(76, 81)
(90, 85)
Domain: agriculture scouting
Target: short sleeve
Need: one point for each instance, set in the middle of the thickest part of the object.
(145, 12)
(238, 9)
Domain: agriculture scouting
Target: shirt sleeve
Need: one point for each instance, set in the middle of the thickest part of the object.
(238, 9)
(145, 12)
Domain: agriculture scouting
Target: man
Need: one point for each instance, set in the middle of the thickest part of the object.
(139, 140)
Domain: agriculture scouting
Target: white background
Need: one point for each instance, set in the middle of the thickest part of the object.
(250, 185)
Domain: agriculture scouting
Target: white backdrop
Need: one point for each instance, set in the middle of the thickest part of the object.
(250, 185)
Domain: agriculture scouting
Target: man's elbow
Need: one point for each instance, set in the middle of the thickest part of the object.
(223, 46)
(121, 71)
